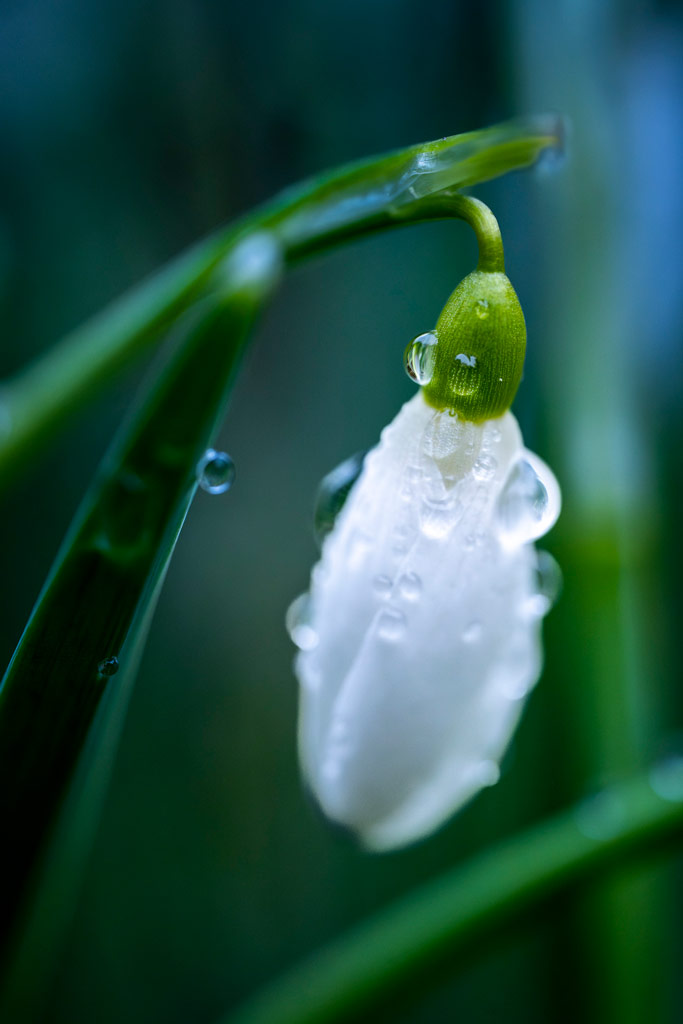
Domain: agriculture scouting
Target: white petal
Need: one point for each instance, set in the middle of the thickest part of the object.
(424, 645)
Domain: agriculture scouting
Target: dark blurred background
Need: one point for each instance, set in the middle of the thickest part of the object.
(130, 130)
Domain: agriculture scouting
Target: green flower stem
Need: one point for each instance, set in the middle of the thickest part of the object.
(428, 932)
(345, 204)
(80, 647)
(485, 226)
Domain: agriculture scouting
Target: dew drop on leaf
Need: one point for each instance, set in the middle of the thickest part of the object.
(215, 472)
(108, 666)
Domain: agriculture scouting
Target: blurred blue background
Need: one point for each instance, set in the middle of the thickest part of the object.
(130, 130)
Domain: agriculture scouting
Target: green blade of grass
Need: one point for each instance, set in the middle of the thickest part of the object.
(428, 934)
(80, 647)
(345, 203)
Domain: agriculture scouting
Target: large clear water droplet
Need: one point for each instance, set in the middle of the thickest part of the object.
(215, 472)
(419, 358)
(332, 493)
(529, 503)
(298, 620)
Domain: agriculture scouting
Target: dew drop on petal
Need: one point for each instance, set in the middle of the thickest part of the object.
(391, 624)
(298, 621)
(481, 308)
(529, 503)
(215, 472)
(436, 519)
(547, 586)
(333, 490)
(420, 356)
(382, 586)
(484, 467)
(410, 586)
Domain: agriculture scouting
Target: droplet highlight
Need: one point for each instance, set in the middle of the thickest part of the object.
(529, 503)
(419, 358)
(333, 490)
(481, 308)
(298, 620)
(215, 472)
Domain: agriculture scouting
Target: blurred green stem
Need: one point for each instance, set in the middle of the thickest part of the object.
(342, 205)
(379, 963)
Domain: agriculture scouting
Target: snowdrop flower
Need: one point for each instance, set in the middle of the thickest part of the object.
(420, 637)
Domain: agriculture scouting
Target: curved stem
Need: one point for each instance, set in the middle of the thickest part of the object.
(427, 931)
(368, 196)
(485, 226)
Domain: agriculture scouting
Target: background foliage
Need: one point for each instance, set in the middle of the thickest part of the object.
(130, 130)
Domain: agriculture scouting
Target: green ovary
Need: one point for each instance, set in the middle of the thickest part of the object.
(480, 351)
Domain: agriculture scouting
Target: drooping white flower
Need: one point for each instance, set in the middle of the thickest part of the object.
(421, 633)
(420, 638)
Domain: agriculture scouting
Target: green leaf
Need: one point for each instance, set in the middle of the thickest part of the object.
(80, 648)
(431, 931)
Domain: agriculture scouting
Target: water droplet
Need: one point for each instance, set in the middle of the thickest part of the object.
(215, 472)
(298, 621)
(333, 490)
(484, 467)
(547, 586)
(494, 434)
(382, 586)
(529, 503)
(472, 632)
(437, 518)
(487, 773)
(419, 358)
(391, 624)
(410, 586)
(666, 778)
(481, 308)
(466, 360)
(109, 666)
(601, 816)
(465, 379)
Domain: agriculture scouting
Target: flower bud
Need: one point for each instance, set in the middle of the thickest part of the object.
(479, 357)
(420, 637)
